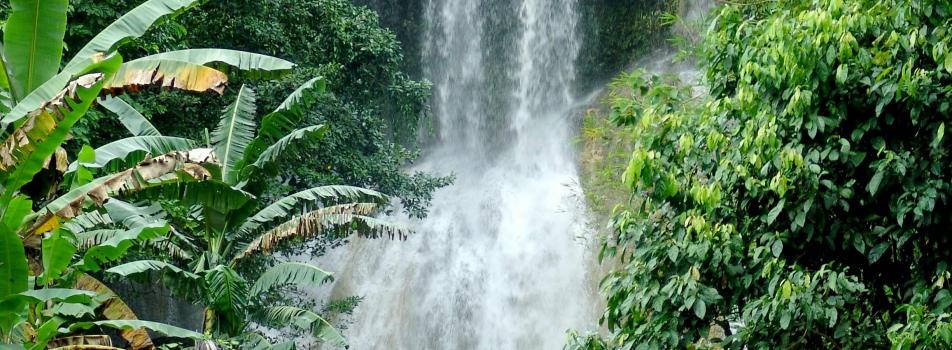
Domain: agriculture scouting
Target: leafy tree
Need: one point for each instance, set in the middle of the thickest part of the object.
(234, 225)
(804, 203)
(374, 107)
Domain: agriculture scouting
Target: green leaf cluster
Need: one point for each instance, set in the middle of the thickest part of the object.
(803, 203)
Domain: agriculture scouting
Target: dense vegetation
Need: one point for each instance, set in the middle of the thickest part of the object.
(800, 201)
(204, 219)
(375, 108)
(804, 202)
(616, 32)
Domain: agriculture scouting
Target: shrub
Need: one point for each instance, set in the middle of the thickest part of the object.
(805, 202)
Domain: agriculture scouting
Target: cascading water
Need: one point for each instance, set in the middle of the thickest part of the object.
(503, 260)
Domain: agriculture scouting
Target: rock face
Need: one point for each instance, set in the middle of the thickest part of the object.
(614, 32)
(151, 301)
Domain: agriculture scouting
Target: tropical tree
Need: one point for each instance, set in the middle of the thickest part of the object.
(235, 227)
(41, 102)
(33, 309)
(57, 308)
(376, 110)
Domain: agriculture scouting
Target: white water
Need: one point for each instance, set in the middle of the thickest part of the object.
(503, 261)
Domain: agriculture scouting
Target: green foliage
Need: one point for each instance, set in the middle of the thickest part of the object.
(33, 43)
(112, 156)
(13, 263)
(140, 266)
(134, 121)
(159, 328)
(616, 31)
(806, 199)
(41, 104)
(131, 25)
(291, 273)
(232, 225)
(374, 108)
(235, 131)
(304, 319)
(605, 149)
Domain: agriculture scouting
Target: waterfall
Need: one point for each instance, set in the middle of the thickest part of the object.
(504, 259)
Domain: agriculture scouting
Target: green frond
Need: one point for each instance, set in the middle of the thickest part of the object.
(287, 117)
(135, 122)
(274, 151)
(136, 267)
(116, 155)
(235, 130)
(251, 64)
(132, 25)
(298, 273)
(339, 220)
(33, 42)
(227, 290)
(315, 197)
(124, 325)
(169, 168)
(282, 316)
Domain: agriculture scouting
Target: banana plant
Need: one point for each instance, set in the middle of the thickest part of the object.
(56, 309)
(40, 103)
(235, 226)
(24, 153)
(32, 310)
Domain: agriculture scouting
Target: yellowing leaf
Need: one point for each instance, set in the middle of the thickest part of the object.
(132, 76)
(49, 225)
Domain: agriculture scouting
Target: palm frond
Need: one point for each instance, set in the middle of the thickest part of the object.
(227, 290)
(140, 266)
(252, 64)
(34, 140)
(282, 316)
(273, 152)
(286, 117)
(133, 76)
(132, 25)
(124, 325)
(92, 238)
(88, 220)
(298, 273)
(316, 197)
(235, 130)
(116, 155)
(303, 95)
(115, 247)
(339, 219)
(171, 167)
(131, 215)
(33, 43)
(163, 245)
(209, 194)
